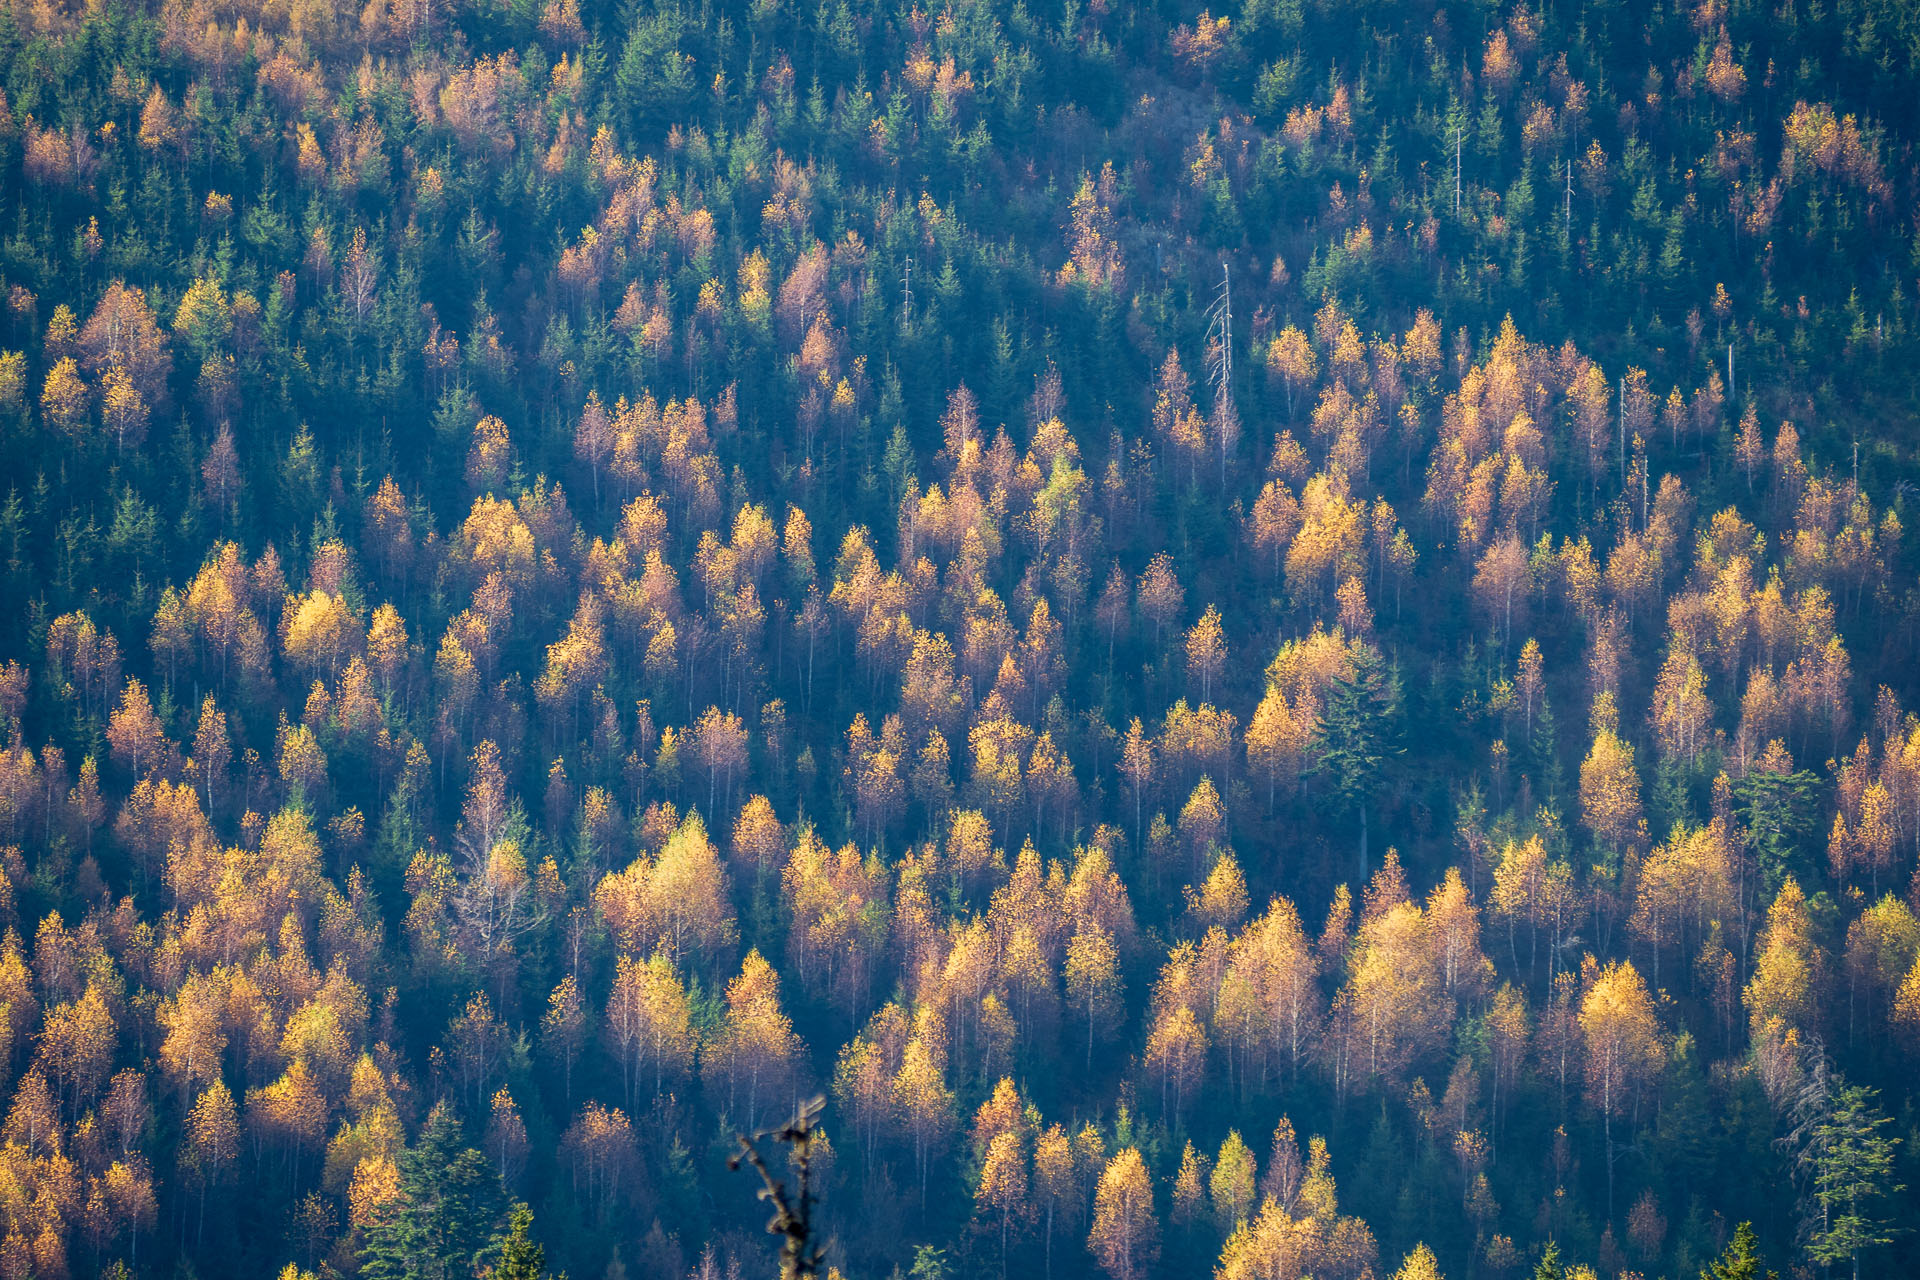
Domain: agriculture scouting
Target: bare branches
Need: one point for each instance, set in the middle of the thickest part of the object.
(792, 1218)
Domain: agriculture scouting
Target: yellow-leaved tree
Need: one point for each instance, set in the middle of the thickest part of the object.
(1125, 1239)
(1623, 1047)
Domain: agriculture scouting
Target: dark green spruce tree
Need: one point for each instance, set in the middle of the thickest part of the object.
(1779, 810)
(1358, 733)
(445, 1224)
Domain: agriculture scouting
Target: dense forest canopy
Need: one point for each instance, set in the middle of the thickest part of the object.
(1274, 642)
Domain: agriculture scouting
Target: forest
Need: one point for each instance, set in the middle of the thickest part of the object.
(1275, 645)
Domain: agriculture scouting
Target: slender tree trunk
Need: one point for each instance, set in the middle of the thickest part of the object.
(1363, 842)
(1606, 1125)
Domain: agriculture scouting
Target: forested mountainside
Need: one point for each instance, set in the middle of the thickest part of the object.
(1268, 643)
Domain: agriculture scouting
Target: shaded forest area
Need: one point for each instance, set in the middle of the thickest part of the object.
(1276, 643)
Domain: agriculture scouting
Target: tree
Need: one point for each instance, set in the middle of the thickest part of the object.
(1272, 524)
(1610, 792)
(1790, 970)
(1206, 652)
(649, 1023)
(121, 1202)
(1683, 884)
(77, 1046)
(212, 751)
(1003, 1186)
(1125, 1239)
(1138, 766)
(1160, 595)
(318, 632)
(1453, 928)
(1852, 1170)
(476, 1045)
(678, 903)
(1623, 1046)
(63, 399)
(1055, 1182)
(1393, 1007)
(753, 1056)
(1682, 712)
(1093, 981)
(488, 456)
(506, 1138)
(1232, 1184)
(1419, 1265)
(1274, 963)
(204, 319)
(925, 1105)
(123, 409)
(1290, 358)
(139, 741)
(1778, 806)
(720, 743)
(520, 1257)
(563, 1030)
(1358, 734)
(1189, 1187)
(593, 439)
(123, 331)
(601, 1152)
(759, 841)
(193, 1039)
(1177, 1054)
(1531, 685)
(1740, 1260)
(444, 1224)
(1502, 585)
(1279, 742)
(213, 1143)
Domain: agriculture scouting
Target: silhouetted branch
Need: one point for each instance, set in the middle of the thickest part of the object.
(792, 1218)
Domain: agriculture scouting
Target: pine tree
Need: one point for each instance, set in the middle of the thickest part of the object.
(1357, 735)
(444, 1223)
(1780, 811)
(1740, 1260)
(520, 1257)
(1852, 1168)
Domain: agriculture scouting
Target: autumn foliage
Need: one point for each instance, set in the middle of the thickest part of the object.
(1262, 642)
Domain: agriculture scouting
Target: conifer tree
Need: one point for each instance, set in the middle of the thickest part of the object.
(1740, 1260)
(521, 1258)
(1357, 735)
(443, 1223)
(1853, 1171)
